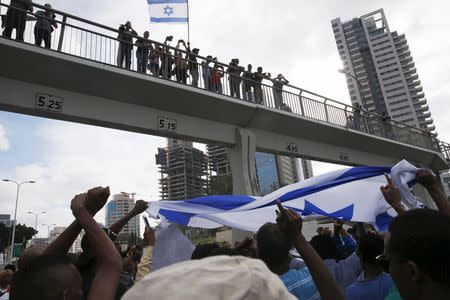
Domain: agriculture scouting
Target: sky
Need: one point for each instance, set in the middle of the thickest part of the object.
(292, 37)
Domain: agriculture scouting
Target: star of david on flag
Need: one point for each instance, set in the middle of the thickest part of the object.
(168, 11)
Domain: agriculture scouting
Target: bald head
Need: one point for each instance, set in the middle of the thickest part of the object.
(28, 256)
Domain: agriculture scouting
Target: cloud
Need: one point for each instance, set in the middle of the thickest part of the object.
(4, 143)
(76, 158)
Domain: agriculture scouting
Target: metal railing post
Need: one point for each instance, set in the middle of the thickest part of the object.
(302, 109)
(61, 34)
(326, 111)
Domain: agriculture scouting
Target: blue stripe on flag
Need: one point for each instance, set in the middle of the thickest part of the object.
(150, 2)
(354, 174)
(178, 217)
(222, 202)
(169, 20)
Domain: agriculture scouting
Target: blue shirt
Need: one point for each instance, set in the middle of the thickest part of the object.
(300, 284)
(374, 289)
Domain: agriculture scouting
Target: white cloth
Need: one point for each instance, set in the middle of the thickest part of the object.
(171, 247)
(349, 194)
(219, 277)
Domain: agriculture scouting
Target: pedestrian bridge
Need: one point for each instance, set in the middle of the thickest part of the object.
(78, 80)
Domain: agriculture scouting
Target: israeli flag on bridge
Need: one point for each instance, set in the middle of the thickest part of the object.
(351, 194)
(168, 11)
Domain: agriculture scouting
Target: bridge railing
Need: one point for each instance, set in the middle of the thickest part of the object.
(89, 40)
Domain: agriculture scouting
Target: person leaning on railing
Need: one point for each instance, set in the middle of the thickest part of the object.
(142, 52)
(193, 63)
(278, 84)
(258, 77)
(45, 25)
(16, 18)
(125, 37)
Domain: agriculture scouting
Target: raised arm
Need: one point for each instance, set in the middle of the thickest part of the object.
(96, 199)
(392, 195)
(429, 181)
(109, 264)
(145, 265)
(138, 208)
(291, 223)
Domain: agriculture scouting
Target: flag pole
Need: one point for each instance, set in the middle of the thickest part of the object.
(189, 20)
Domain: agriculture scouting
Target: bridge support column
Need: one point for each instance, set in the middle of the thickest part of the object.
(242, 162)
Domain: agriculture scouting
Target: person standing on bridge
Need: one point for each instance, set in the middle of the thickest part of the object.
(234, 73)
(247, 82)
(193, 64)
(278, 84)
(258, 78)
(16, 18)
(142, 52)
(44, 27)
(125, 37)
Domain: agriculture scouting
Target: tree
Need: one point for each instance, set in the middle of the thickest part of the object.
(23, 234)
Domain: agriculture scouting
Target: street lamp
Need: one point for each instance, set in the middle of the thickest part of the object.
(15, 211)
(36, 215)
(361, 94)
(48, 231)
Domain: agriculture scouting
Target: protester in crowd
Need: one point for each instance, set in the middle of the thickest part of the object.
(374, 283)
(6, 277)
(16, 18)
(345, 244)
(55, 277)
(125, 37)
(346, 271)
(207, 73)
(145, 265)
(278, 84)
(181, 68)
(45, 25)
(234, 78)
(274, 242)
(204, 250)
(193, 64)
(142, 52)
(258, 77)
(216, 79)
(247, 83)
(88, 260)
(416, 246)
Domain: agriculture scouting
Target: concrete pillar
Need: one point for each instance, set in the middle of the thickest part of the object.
(243, 169)
(242, 163)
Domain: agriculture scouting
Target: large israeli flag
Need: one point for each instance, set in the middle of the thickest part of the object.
(168, 11)
(351, 194)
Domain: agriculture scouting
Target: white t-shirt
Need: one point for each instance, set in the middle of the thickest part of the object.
(4, 296)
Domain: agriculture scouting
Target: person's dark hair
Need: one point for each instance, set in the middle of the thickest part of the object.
(370, 246)
(46, 277)
(273, 245)
(325, 246)
(5, 278)
(423, 236)
(204, 250)
(10, 267)
(225, 251)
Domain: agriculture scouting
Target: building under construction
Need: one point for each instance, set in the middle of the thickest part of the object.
(184, 171)
(218, 160)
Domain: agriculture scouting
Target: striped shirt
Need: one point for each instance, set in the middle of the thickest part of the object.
(300, 284)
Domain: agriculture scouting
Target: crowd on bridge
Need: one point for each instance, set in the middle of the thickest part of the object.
(409, 261)
(159, 59)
